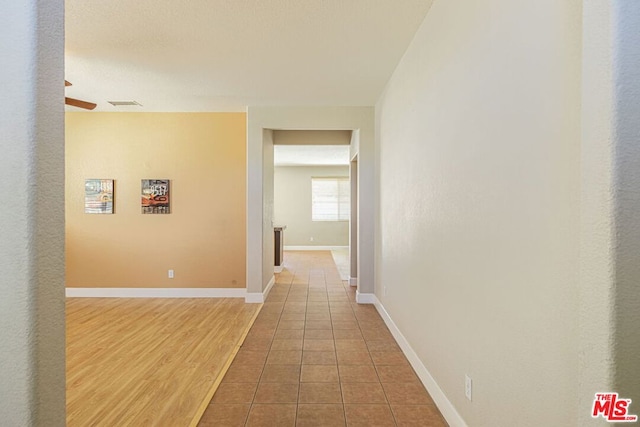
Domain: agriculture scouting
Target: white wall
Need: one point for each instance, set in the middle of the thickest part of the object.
(268, 248)
(597, 238)
(353, 224)
(626, 37)
(32, 369)
(478, 241)
(311, 137)
(292, 207)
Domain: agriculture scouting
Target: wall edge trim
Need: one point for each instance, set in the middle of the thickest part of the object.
(260, 297)
(155, 292)
(364, 298)
(445, 406)
(254, 298)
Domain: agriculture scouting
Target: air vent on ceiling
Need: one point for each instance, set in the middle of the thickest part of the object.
(124, 103)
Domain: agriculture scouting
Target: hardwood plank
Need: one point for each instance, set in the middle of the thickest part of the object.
(135, 361)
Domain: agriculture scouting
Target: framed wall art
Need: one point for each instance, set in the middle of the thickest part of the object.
(98, 196)
(156, 196)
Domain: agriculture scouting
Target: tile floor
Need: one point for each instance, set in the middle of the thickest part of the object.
(316, 358)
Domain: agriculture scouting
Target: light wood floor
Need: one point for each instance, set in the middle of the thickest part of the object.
(138, 362)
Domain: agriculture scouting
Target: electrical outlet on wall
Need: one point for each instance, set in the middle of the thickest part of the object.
(311, 239)
(170, 274)
(467, 386)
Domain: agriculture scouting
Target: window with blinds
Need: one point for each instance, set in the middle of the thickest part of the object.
(330, 199)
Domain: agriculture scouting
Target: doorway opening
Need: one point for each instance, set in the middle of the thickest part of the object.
(312, 197)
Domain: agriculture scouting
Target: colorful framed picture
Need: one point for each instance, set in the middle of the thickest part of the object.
(156, 196)
(98, 196)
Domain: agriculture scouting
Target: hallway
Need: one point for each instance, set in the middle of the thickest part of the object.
(316, 358)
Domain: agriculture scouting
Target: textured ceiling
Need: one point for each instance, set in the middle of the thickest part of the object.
(224, 55)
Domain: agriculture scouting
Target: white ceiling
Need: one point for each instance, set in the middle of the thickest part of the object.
(225, 55)
(311, 155)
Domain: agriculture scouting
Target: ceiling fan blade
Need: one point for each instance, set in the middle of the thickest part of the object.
(66, 83)
(80, 104)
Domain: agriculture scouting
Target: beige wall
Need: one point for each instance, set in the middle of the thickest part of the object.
(292, 207)
(478, 240)
(202, 240)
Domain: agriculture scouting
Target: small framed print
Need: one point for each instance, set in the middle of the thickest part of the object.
(156, 196)
(98, 196)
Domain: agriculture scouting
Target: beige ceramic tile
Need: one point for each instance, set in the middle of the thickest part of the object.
(319, 373)
(412, 393)
(291, 324)
(229, 392)
(317, 324)
(376, 334)
(354, 358)
(319, 358)
(281, 415)
(320, 415)
(287, 344)
(383, 345)
(339, 324)
(243, 373)
(396, 373)
(318, 334)
(320, 393)
(365, 415)
(281, 374)
(284, 357)
(319, 316)
(350, 345)
(276, 393)
(318, 345)
(289, 334)
(257, 344)
(343, 317)
(357, 374)
(363, 393)
(293, 310)
(388, 358)
(418, 415)
(293, 316)
(250, 357)
(348, 334)
(225, 415)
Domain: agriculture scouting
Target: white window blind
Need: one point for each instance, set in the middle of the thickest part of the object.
(330, 199)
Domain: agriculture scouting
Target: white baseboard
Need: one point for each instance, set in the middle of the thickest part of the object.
(446, 407)
(363, 298)
(315, 248)
(269, 286)
(155, 292)
(254, 298)
(353, 281)
(260, 297)
(278, 268)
